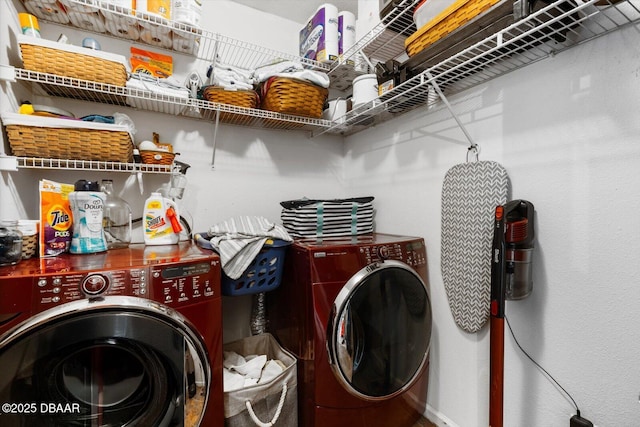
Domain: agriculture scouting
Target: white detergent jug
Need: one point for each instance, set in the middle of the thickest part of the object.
(161, 221)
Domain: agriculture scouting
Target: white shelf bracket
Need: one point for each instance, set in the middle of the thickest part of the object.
(7, 73)
(215, 139)
(433, 82)
(8, 163)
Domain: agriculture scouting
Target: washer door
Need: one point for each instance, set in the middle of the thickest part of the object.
(114, 361)
(379, 331)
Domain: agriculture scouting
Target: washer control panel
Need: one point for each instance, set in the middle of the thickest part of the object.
(170, 284)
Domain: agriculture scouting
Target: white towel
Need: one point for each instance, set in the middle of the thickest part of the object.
(230, 77)
(239, 240)
(262, 73)
(240, 372)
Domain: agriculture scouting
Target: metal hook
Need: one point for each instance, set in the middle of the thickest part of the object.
(473, 150)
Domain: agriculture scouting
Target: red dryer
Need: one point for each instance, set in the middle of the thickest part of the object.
(126, 337)
(356, 313)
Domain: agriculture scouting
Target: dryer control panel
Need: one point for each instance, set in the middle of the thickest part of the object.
(338, 260)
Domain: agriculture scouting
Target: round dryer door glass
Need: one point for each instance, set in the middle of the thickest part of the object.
(117, 362)
(380, 330)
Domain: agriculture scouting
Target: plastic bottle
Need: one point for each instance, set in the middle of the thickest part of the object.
(10, 242)
(116, 221)
(87, 206)
(161, 221)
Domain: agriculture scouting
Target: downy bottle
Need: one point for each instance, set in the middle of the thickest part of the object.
(116, 220)
(87, 206)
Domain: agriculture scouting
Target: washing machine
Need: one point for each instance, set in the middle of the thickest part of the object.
(128, 337)
(356, 313)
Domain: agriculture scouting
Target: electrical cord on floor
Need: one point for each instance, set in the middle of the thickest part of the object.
(576, 420)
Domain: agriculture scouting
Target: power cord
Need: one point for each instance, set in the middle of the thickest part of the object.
(576, 420)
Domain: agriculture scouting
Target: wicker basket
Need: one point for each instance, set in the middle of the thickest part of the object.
(296, 97)
(455, 16)
(70, 64)
(70, 143)
(237, 98)
(29, 246)
(157, 157)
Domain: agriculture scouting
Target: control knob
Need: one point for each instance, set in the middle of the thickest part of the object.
(94, 284)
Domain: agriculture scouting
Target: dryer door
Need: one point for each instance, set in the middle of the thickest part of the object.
(379, 331)
(114, 361)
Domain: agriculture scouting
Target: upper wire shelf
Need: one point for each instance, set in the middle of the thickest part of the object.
(109, 19)
(543, 33)
(481, 50)
(54, 85)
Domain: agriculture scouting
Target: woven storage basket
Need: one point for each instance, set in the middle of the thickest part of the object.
(455, 16)
(70, 143)
(29, 246)
(296, 97)
(70, 64)
(237, 98)
(157, 157)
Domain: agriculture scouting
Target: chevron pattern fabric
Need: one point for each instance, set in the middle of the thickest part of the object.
(470, 193)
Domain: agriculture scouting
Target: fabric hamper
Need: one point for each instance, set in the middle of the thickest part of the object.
(271, 403)
(307, 218)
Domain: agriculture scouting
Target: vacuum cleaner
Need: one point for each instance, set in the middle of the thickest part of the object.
(511, 279)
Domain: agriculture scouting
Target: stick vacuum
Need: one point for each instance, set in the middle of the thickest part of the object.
(510, 279)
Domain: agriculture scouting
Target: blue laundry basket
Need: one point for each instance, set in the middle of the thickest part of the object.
(263, 274)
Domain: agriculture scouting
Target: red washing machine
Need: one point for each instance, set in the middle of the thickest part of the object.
(356, 313)
(121, 338)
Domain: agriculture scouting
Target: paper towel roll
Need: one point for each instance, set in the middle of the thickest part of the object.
(50, 11)
(186, 12)
(155, 38)
(121, 28)
(88, 20)
(347, 30)
(80, 7)
(188, 45)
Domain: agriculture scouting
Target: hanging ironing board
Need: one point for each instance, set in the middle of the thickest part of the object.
(470, 193)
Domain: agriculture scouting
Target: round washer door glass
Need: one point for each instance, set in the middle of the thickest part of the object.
(119, 362)
(380, 330)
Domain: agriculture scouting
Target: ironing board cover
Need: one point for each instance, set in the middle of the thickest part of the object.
(470, 193)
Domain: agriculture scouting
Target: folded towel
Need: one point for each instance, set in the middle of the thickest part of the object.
(239, 240)
(160, 86)
(263, 73)
(230, 77)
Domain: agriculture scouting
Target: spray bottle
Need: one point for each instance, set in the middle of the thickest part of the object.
(161, 221)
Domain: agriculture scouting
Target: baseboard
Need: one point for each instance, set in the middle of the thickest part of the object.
(438, 419)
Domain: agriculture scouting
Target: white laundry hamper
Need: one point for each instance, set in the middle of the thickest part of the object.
(274, 403)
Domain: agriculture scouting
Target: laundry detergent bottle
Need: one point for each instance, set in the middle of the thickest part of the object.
(161, 221)
(87, 207)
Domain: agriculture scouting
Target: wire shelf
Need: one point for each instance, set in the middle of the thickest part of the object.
(53, 85)
(486, 50)
(92, 165)
(554, 28)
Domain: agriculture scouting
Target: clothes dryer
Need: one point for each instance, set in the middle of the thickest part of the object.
(356, 313)
(126, 337)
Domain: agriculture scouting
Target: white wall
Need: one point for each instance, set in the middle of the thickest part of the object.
(566, 129)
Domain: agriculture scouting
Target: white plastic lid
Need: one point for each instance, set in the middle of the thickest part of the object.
(28, 227)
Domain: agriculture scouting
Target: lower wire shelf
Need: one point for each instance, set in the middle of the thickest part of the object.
(14, 163)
